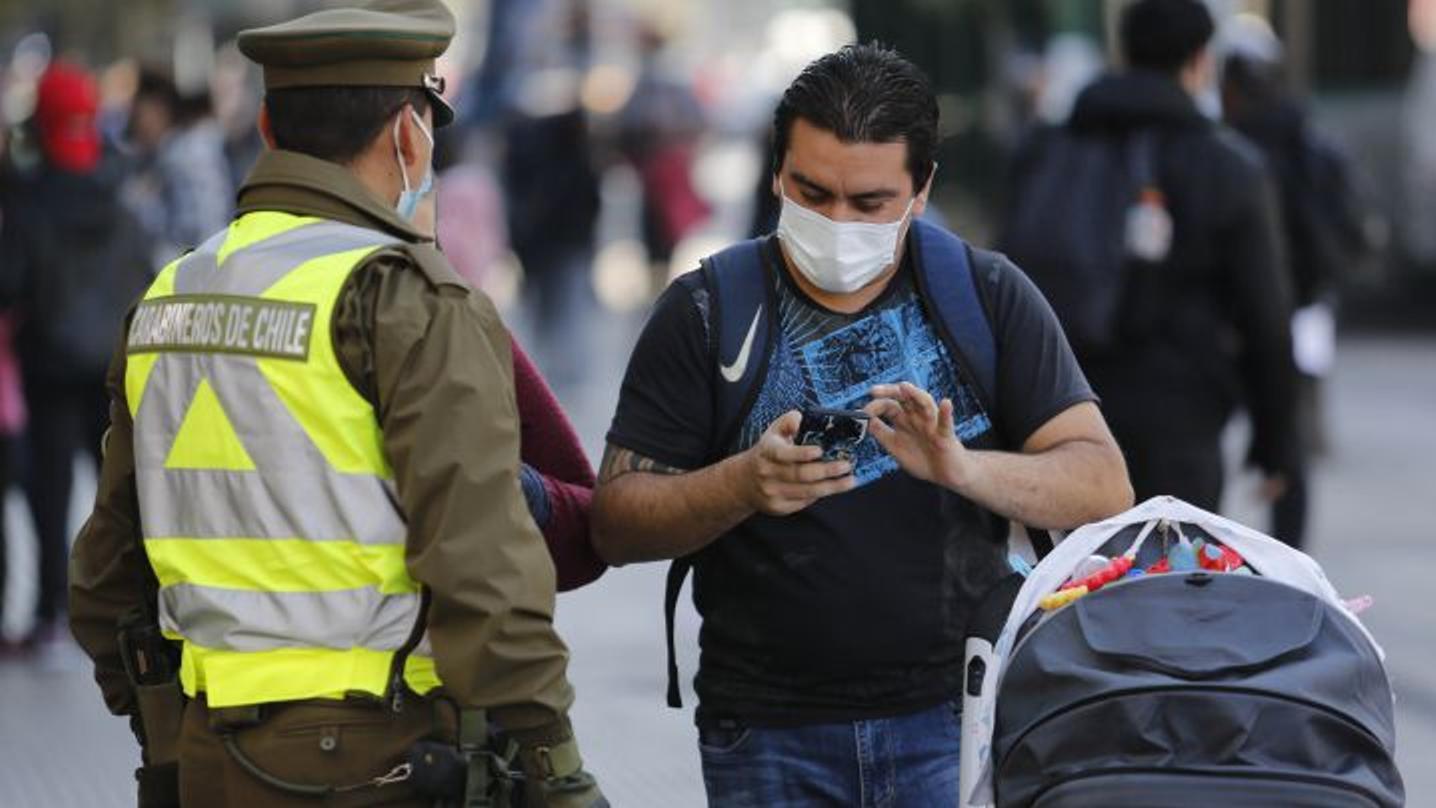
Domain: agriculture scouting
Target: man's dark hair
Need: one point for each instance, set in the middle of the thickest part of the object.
(335, 123)
(863, 94)
(1163, 35)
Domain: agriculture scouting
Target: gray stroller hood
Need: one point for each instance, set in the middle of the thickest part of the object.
(1196, 689)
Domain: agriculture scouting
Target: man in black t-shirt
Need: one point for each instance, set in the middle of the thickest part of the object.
(835, 595)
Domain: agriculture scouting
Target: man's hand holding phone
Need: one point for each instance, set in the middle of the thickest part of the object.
(784, 477)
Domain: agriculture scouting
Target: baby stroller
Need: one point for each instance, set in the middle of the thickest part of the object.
(1238, 678)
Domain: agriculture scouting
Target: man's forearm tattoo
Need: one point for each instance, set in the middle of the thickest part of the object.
(618, 461)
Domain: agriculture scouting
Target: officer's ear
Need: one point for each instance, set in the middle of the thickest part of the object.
(414, 147)
(266, 130)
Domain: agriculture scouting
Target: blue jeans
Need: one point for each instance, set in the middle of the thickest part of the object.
(910, 761)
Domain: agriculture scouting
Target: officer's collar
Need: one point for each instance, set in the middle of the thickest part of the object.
(297, 183)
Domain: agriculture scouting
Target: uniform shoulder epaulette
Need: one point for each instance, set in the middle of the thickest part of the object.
(430, 261)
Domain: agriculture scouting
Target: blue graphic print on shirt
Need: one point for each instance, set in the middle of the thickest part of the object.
(827, 360)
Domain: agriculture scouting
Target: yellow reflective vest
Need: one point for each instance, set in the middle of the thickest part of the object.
(267, 505)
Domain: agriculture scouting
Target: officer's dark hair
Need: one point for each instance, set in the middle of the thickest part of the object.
(335, 123)
(1164, 35)
(863, 94)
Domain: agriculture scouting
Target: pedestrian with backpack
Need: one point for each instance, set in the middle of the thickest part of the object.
(835, 576)
(1323, 228)
(1153, 231)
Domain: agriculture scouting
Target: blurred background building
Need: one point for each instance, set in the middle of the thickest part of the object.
(603, 146)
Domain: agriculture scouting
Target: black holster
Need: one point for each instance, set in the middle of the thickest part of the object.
(152, 665)
(472, 774)
(158, 786)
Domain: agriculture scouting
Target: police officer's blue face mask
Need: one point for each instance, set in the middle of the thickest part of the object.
(408, 204)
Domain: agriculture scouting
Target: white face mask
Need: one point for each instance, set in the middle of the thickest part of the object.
(838, 257)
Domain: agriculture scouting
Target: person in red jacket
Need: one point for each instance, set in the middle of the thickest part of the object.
(556, 476)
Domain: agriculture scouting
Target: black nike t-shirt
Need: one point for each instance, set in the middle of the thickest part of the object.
(856, 606)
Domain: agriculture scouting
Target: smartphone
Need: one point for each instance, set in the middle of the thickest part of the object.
(838, 431)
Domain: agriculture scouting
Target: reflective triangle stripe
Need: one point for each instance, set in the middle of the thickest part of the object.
(206, 439)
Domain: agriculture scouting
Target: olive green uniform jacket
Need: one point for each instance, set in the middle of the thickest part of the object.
(432, 356)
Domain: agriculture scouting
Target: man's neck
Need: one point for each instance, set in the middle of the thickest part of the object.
(843, 303)
(375, 171)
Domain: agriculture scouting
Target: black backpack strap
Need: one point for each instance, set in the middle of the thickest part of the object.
(677, 571)
(947, 281)
(947, 278)
(1041, 541)
(743, 328)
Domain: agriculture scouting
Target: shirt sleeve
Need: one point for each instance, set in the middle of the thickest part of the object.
(442, 374)
(549, 442)
(567, 533)
(109, 572)
(1037, 374)
(550, 446)
(665, 405)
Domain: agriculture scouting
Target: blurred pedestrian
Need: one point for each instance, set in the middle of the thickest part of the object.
(71, 259)
(658, 131)
(473, 231)
(551, 186)
(1154, 232)
(1415, 206)
(12, 426)
(551, 197)
(236, 104)
(182, 190)
(1324, 233)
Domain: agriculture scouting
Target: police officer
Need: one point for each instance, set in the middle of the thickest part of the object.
(310, 480)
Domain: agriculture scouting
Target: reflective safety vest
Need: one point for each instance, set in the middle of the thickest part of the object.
(267, 504)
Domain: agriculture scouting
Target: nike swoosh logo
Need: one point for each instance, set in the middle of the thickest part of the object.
(734, 373)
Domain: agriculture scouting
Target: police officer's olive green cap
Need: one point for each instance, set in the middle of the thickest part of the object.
(381, 43)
